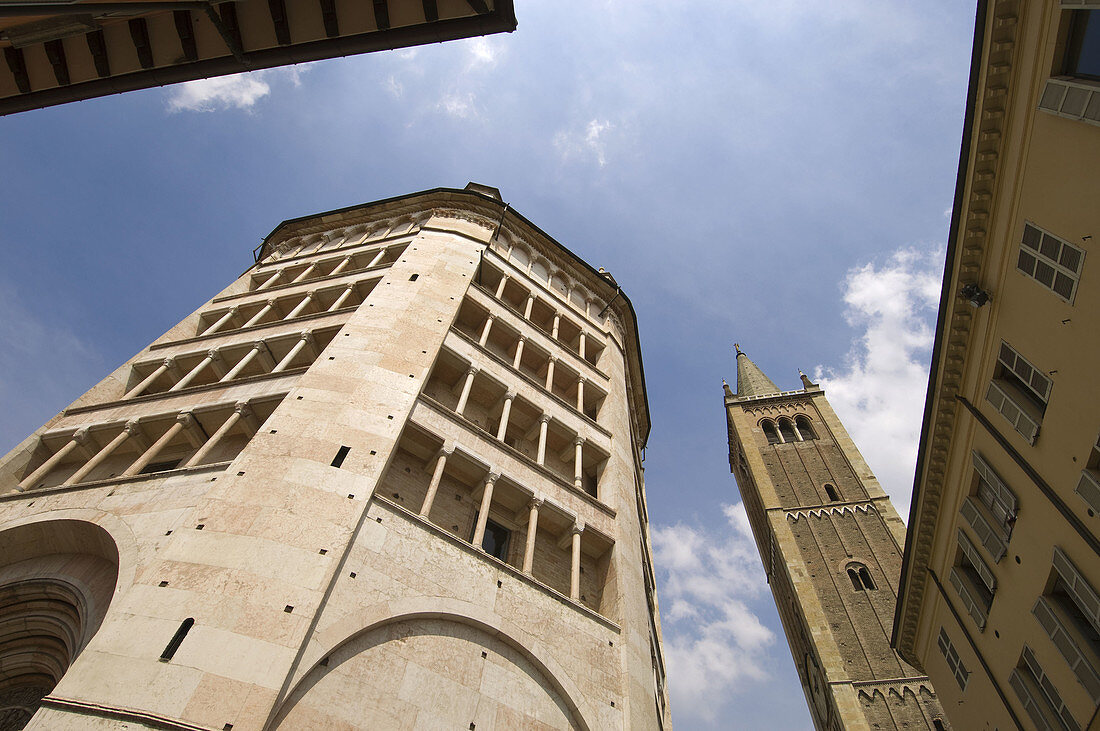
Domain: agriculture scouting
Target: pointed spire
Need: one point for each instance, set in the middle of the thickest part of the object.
(751, 381)
(807, 384)
(726, 389)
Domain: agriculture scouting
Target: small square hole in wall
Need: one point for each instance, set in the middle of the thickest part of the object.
(333, 357)
(240, 474)
(351, 497)
(408, 469)
(227, 727)
(458, 497)
(288, 609)
(389, 416)
(414, 277)
(378, 519)
(396, 496)
(30, 504)
(274, 431)
(168, 533)
(299, 398)
(347, 335)
(200, 526)
(323, 551)
(484, 654)
(163, 584)
(612, 704)
(213, 478)
(499, 583)
(472, 726)
(324, 662)
(424, 351)
(610, 643)
(373, 452)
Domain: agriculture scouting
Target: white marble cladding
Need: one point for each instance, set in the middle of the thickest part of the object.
(292, 573)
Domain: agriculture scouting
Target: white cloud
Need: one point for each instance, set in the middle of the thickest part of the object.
(590, 141)
(879, 394)
(240, 91)
(462, 106)
(713, 641)
(394, 87)
(483, 52)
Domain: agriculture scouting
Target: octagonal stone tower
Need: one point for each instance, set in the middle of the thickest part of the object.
(389, 477)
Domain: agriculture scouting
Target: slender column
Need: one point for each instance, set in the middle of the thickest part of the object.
(241, 410)
(485, 329)
(129, 430)
(183, 421)
(139, 389)
(303, 341)
(578, 463)
(341, 266)
(502, 430)
(575, 569)
(519, 352)
(230, 313)
(268, 307)
(466, 387)
(500, 287)
(301, 305)
(437, 475)
(527, 307)
(580, 393)
(796, 430)
(557, 324)
(377, 257)
(270, 281)
(342, 298)
(80, 439)
(483, 512)
(184, 382)
(550, 373)
(305, 273)
(532, 528)
(257, 347)
(580, 344)
(543, 421)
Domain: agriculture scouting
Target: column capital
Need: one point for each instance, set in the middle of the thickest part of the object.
(491, 316)
(311, 294)
(544, 418)
(535, 502)
(492, 476)
(350, 285)
(271, 302)
(473, 370)
(169, 362)
(133, 427)
(243, 408)
(511, 394)
(578, 440)
(523, 338)
(552, 358)
(214, 353)
(306, 335)
(187, 419)
(577, 527)
(446, 450)
(582, 378)
(80, 436)
(237, 308)
(259, 344)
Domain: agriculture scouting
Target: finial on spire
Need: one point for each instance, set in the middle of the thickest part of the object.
(806, 382)
(737, 348)
(726, 389)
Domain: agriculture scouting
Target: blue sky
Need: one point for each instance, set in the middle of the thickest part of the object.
(776, 174)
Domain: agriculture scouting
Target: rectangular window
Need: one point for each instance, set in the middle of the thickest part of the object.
(1083, 49)
(954, 663)
(1069, 613)
(1075, 93)
(1050, 261)
(1041, 699)
(973, 581)
(496, 538)
(991, 509)
(1089, 485)
(1019, 391)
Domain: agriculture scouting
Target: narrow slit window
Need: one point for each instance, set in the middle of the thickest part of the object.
(865, 578)
(177, 639)
(831, 492)
(853, 576)
(340, 455)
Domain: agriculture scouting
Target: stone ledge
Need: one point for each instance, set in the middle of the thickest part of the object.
(150, 720)
(290, 285)
(261, 326)
(116, 480)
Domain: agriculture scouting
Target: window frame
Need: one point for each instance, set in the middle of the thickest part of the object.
(1042, 701)
(1014, 397)
(953, 659)
(1038, 256)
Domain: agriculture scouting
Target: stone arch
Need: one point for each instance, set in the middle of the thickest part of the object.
(57, 580)
(395, 621)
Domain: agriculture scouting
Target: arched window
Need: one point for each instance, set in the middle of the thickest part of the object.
(770, 432)
(831, 492)
(860, 577)
(804, 428)
(786, 428)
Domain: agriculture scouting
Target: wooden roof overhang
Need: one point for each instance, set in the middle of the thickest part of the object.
(67, 50)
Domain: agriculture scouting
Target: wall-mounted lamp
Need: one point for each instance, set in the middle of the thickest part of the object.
(975, 294)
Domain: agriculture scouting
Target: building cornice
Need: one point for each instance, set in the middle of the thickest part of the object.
(983, 143)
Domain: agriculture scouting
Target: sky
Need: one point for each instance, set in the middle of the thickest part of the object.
(777, 174)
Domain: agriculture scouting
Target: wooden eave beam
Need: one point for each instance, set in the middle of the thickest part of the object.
(381, 15)
(55, 52)
(225, 20)
(18, 65)
(277, 10)
(139, 34)
(431, 11)
(332, 21)
(97, 46)
(478, 6)
(185, 29)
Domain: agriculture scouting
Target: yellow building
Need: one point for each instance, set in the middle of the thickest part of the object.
(999, 591)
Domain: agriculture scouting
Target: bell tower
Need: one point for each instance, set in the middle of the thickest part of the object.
(831, 544)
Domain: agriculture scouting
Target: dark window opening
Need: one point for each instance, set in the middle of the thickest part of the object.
(786, 428)
(177, 639)
(495, 542)
(340, 455)
(805, 428)
(865, 577)
(861, 578)
(831, 492)
(770, 432)
(164, 466)
(853, 575)
(1083, 49)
